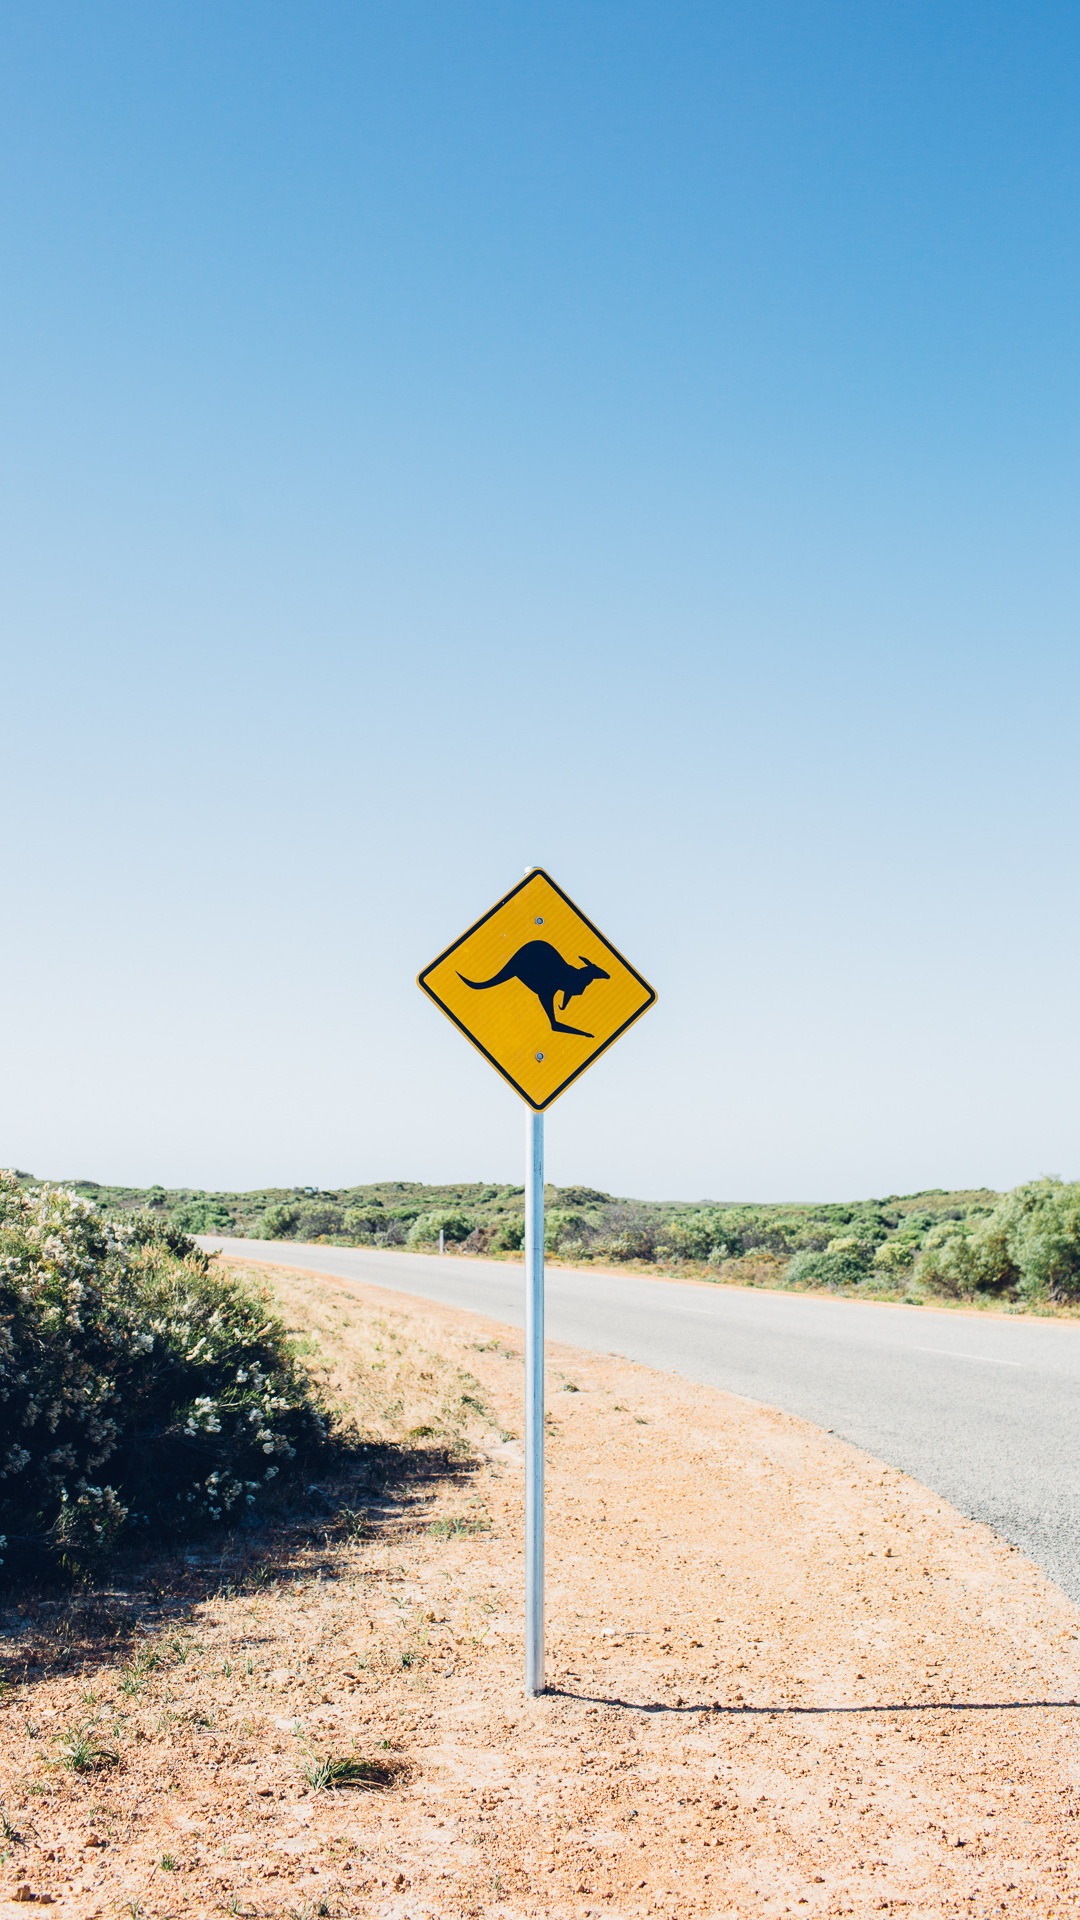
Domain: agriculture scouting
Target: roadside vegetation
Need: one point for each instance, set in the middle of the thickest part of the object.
(1019, 1250)
(143, 1392)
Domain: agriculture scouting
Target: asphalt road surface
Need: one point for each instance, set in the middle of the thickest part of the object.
(986, 1411)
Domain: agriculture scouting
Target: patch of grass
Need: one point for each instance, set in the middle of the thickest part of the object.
(456, 1526)
(9, 1832)
(328, 1774)
(354, 1523)
(80, 1753)
(135, 1674)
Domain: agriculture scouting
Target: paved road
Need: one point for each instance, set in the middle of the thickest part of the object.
(985, 1411)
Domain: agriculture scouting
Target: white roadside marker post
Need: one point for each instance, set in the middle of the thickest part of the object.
(534, 1405)
(507, 983)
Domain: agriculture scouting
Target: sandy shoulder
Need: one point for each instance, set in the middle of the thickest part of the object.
(785, 1679)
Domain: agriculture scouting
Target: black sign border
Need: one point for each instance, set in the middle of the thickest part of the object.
(421, 981)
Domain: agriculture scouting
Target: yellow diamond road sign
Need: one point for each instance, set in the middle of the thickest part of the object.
(537, 988)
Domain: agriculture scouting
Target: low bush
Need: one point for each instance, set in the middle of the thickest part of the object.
(1040, 1227)
(1029, 1245)
(893, 1259)
(200, 1214)
(318, 1219)
(280, 1223)
(952, 1262)
(301, 1220)
(628, 1243)
(564, 1228)
(845, 1262)
(454, 1228)
(710, 1234)
(361, 1224)
(142, 1391)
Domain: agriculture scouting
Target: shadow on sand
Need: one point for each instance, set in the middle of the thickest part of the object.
(375, 1493)
(743, 1712)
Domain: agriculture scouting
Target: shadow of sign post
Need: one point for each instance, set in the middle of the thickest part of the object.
(505, 982)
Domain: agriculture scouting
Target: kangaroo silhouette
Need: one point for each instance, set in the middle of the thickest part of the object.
(541, 967)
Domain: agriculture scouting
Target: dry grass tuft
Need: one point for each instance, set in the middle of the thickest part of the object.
(328, 1773)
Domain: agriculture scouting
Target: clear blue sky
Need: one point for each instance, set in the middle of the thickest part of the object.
(635, 439)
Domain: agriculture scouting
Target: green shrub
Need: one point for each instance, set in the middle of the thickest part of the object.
(563, 1227)
(454, 1227)
(198, 1214)
(1029, 1244)
(1041, 1225)
(317, 1219)
(362, 1224)
(763, 1232)
(509, 1235)
(629, 1243)
(142, 1391)
(894, 1259)
(279, 1223)
(711, 1234)
(953, 1262)
(845, 1262)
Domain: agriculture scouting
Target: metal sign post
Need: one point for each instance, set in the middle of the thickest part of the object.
(534, 1405)
(507, 983)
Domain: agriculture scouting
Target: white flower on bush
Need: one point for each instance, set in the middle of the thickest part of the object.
(101, 1507)
(203, 1417)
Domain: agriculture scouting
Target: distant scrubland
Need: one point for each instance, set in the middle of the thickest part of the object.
(1019, 1250)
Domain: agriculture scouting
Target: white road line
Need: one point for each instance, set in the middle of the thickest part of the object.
(951, 1354)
